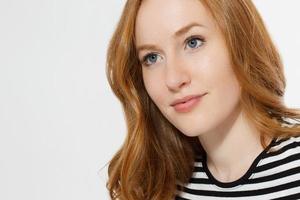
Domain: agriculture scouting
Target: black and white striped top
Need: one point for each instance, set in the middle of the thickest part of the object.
(274, 174)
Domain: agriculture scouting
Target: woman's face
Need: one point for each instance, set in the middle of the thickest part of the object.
(183, 53)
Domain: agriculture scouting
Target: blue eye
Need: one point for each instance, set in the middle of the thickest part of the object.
(193, 42)
(150, 59)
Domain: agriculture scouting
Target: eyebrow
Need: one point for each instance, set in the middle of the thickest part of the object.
(178, 33)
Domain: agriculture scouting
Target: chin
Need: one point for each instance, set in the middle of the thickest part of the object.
(191, 133)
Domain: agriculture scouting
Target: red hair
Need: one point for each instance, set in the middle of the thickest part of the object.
(155, 155)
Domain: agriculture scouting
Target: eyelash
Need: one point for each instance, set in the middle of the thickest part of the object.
(144, 59)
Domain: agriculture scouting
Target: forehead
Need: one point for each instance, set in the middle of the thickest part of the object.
(156, 18)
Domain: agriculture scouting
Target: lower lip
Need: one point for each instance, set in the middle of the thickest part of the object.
(187, 106)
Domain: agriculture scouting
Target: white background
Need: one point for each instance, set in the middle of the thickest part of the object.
(59, 121)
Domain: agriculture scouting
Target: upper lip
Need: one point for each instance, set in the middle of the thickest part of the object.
(186, 98)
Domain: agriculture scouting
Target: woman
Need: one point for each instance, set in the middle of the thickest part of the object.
(202, 85)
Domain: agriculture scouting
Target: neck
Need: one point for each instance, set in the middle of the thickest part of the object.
(232, 147)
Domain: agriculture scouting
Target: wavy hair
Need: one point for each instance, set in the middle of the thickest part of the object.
(155, 156)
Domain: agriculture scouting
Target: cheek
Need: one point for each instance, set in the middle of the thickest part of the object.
(218, 73)
(154, 87)
(227, 87)
(227, 80)
(219, 77)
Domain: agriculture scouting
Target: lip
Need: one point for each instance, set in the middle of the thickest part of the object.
(187, 103)
(185, 99)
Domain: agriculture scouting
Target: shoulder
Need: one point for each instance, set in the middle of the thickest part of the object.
(282, 157)
(292, 142)
(285, 147)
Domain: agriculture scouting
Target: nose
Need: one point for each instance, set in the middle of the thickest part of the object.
(177, 74)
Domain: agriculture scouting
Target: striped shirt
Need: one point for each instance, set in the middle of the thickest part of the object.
(274, 174)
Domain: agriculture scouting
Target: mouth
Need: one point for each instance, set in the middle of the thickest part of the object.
(187, 103)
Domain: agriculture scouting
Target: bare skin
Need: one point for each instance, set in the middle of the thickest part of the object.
(194, 61)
